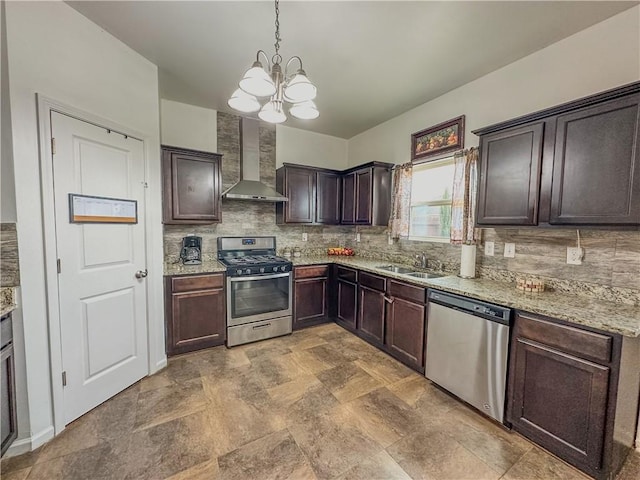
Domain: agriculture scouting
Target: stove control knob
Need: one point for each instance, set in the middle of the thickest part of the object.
(238, 272)
(247, 271)
(275, 269)
(283, 268)
(261, 269)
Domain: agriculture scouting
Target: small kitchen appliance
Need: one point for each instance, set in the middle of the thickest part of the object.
(258, 289)
(191, 252)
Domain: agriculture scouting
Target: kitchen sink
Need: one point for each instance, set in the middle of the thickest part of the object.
(424, 275)
(394, 269)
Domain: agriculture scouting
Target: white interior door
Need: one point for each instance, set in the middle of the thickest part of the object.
(102, 304)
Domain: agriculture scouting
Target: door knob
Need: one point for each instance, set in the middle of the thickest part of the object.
(141, 273)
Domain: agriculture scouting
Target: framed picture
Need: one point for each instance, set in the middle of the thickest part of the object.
(442, 138)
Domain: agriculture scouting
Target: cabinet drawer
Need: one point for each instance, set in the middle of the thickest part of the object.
(311, 272)
(347, 274)
(408, 292)
(196, 282)
(373, 281)
(568, 339)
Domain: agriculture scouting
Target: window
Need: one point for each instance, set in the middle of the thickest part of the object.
(431, 186)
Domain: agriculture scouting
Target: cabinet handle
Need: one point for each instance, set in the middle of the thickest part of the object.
(389, 300)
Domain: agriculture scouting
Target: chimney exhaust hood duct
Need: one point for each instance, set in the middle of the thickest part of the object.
(250, 187)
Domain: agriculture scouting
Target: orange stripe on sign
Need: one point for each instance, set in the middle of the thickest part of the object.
(90, 218)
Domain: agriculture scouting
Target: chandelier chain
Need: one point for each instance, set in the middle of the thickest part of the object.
(278, 39)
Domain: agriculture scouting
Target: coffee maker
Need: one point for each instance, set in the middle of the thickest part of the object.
(191, 253)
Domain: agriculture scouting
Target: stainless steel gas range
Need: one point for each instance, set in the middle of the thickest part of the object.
(259, 289)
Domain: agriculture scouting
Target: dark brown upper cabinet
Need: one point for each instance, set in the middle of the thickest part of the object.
(596, 168)
(192, 185)
(366, 195)
(574, 164)
(358, 196)
(510, 176)
(313, 193)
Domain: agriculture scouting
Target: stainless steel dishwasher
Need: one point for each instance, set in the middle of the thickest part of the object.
(467, 345)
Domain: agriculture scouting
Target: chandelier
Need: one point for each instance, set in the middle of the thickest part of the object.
(294, 88)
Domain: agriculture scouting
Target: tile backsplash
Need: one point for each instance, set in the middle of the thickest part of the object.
(610, 269)
(10, 271)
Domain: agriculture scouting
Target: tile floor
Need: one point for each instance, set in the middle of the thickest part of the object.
(319, 404)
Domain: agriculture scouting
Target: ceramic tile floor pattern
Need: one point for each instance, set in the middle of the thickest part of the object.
(319, 404)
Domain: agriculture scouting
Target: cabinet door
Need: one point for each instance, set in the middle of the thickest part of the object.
(363, 197)
(8, 422)
(328, 198)
(559, 401)
(371, 315)
(596, 169)
(192, 185)
(300, 190)
(197, 320)
(347, 304)
(404, 334)
(310, 299)
(508, 187)
(349, 199)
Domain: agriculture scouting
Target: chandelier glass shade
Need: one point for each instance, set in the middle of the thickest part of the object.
(275, 86)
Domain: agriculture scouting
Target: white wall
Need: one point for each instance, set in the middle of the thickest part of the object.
(7, 186)
(601, 57)
(188, 126)
(55, 51)
(294, 145)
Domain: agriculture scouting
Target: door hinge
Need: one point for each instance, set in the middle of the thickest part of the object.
(53, 146)
(58, 265)
(64, 379)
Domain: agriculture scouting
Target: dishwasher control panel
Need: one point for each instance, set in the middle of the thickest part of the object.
(469, 305)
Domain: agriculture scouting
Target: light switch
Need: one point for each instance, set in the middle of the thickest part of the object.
(304, 237)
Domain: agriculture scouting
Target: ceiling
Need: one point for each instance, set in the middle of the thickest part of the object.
(371, 61)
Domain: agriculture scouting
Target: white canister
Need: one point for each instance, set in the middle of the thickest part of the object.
(468, 261)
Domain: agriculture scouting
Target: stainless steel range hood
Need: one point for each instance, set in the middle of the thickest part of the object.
(250, 187)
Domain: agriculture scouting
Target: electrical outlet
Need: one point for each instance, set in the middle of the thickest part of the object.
(574, 255)
(389, 239)
(358, 237)
(489, 248)
(510, 250)
(305, 237)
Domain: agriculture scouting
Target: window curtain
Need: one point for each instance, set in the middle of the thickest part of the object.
(401, 201)
(463, 205)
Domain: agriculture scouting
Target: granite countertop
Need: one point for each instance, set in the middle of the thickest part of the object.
(7, 300)
(591, 312)
(212, 266)
(582, 310)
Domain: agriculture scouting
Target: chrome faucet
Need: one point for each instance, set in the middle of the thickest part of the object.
(421, 261)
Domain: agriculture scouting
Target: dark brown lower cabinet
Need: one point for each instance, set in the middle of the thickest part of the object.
(371, 314)
(406, 323)
(310, 296)
(565, 392)
(196, 312)
(405, 332)
(8, 420)
(347, 304)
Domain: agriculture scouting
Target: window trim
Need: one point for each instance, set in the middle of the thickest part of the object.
(449, 160)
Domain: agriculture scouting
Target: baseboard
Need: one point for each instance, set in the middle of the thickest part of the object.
(159, 366)
(29, 444)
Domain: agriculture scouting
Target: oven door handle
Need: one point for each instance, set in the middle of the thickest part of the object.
(260, 277)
